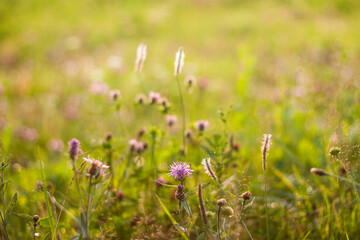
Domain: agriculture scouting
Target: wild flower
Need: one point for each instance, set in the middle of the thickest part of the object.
(154, 97)
(170, 120)
(96, 168)
(74, 148)
(55, 145)
(190, 81)
(201, 125)
(140, 98)
(140, 57)
(206, 162)
(180, 170)
(179, 61)
(246, 195)
(114, 94)
(265, 149)
(188, 134)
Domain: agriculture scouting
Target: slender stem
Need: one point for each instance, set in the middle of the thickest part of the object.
(3, 202)
(218, 223)
(351, 178)
(141, 81)
(77, 185)
(242, 221)
(266, 207)
(342, 178)
(183, 113)
(88, 209)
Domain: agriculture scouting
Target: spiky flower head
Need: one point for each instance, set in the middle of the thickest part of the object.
(179, 61)
(140, 57)
(170, 120)
(180, 170)
(154, 97)
(221, 202)
(96, 168)
(246, 195)
(265, 149)
(74, 147)
(206, 162)
(201, 125)
(140, 98)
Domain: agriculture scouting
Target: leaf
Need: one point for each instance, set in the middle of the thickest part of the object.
(167, 185)
(208, 151)
(10, 208)
(24, 216)
(3, 184)
(187, 207)
(83, 222)
(171, 218)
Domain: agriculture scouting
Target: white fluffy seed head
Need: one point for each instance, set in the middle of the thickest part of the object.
(265, 149)
(140, 57)
(179, 61)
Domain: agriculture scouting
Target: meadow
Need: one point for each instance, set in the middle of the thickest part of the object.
(202, 119)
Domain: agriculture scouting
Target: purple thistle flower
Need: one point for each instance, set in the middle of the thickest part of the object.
(179, 170)
(74, 147)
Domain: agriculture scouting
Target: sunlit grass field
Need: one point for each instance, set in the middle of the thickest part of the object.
(288, 68)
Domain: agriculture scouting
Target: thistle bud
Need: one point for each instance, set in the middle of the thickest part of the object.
(221, 202)
(227, 211)
(246, 195)
(318, 172)
(36, 218)
(180, 193)
(334, 151)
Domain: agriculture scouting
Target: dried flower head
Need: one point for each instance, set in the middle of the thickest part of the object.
(202, 206)
(180, 170)
(170, 120)
(140, 98)
(140, 57)
(206, 162)
(334, 151)
(318, 172)
(221, 202)
(201, 125)
(179, 61)
(74, 148)
(154, 97)
(246, 195)
(96, 168)
(265, 149)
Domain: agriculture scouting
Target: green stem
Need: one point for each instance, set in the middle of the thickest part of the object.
(88, 210)
(242, 221)
(3, 202)
(266, 207)
(183, 113)
(218, 223)
(77, 185)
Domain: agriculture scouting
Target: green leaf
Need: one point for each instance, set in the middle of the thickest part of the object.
(10, 208)
(208, 151)
(176, 224)
(27, 217)
(187, 207)
(2, 185)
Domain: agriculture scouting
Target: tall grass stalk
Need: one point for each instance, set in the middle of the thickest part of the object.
(183, 113)
(266, 206)
(3, 166)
